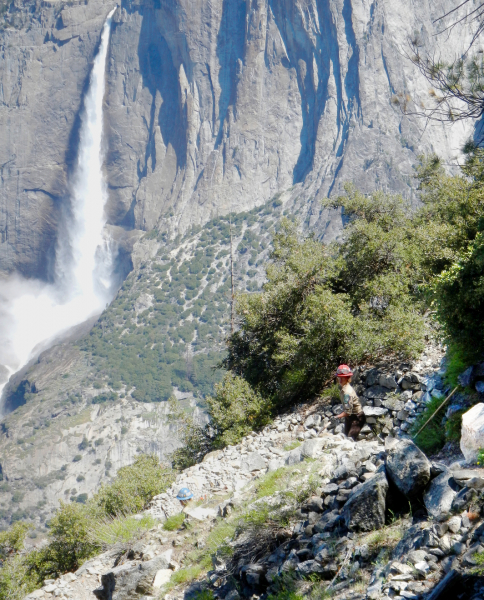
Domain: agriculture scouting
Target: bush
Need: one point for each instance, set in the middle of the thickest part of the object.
(84, 444)
(235, 410)
(134, 486)
(452, 225)
(107, 532)
(17, 579)
(174, 522)
(77, 458)
(107, 397)
(12, 540)
(432, 438)
(459, 300)
(82, 528)
(322, 306)
(69, 546)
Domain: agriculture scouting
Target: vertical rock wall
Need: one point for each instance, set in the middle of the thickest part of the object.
(212, 107)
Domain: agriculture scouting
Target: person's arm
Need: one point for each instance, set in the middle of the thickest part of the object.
(347, 401)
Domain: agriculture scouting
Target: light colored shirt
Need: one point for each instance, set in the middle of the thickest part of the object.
(349, 400)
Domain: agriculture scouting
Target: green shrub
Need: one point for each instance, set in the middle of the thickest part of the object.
(174, 522)
(432, 438)
(134, 486)
(12, 540)
(459, 300)
(107, 397)
(82, 528)
(185, 575)
(17, 579)
(322, 306)
(77, 458)
(235, 410)
(69, 546)
(84, 443)
(109, 531)
(452, 227)
(453, 426)
(457, 362)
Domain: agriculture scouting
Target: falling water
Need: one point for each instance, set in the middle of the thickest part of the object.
(33, 314)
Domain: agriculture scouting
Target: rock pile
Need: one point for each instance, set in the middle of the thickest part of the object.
(392, 399)
(361, 484)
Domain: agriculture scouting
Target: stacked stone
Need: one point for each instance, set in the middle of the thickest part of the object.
(392, 399)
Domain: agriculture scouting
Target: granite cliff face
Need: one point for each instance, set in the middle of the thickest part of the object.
(210, 107)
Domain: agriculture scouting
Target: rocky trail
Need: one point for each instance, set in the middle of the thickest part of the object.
(371, 519)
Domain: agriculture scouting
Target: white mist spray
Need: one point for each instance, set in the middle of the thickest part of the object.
(32, 314)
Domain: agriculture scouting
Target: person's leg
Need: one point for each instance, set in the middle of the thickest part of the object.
(348, 422)
(356, 425)
(355, 428)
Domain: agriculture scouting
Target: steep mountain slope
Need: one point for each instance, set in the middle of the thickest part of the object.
(211, 107)
(85, 409)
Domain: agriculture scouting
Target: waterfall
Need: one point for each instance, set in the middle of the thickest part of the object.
(33, 314)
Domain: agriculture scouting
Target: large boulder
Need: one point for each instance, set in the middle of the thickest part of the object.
(252, 462)
(471, 478)
(472, 434)
(130, 579)
(407, 466)
(365, 507)
(439, 496)
(311, 448)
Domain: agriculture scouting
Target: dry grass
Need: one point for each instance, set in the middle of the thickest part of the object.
(382, 542)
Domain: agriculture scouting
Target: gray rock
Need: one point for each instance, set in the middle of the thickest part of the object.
(316, 504)
(274, 464)
(365, 507)
(253, 462)
(413, 539)
(471, 478)
(311, 448)
(308, 567)
(373, 591)
(375, 411)
(422, 568)
(469, 557)
(388, 381)
(466, 378)
(328, 521)
(294, 457)
(253, 578)
(463, 499)
(330, 488)
(393, 404)
(480, 387)
(417, 556)
(130, 579)
(439, 496)
(458, 547)
(407, 466)
(372, 377)
(376, 391)
(312, 421)
(410, 381)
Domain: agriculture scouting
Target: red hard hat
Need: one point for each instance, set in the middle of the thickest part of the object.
(344, 371)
